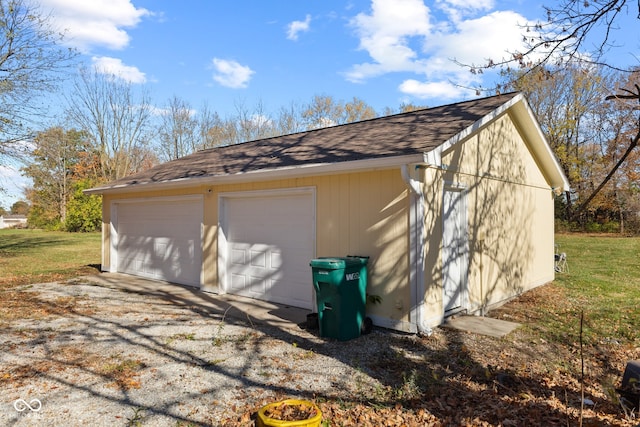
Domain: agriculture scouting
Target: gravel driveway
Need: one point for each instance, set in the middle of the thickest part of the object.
(91, 352)
(102, 356)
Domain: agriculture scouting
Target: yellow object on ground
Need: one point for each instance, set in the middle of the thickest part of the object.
(266, 421)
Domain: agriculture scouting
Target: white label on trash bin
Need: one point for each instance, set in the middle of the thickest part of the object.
(352, 276)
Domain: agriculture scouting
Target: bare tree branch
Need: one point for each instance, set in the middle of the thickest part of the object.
(32, 63)
(632, 145)
(568, 35)
(117, 119)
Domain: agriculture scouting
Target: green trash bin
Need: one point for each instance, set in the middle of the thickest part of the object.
(341, 286)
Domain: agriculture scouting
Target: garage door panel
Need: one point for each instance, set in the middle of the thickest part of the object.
(276, 237)
(160, 240)
(276, 260)
(238, 256)
(238, 282)
(258, 259)
(248, 285)
(257, 286)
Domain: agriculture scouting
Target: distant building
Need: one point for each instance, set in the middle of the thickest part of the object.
(13, 221)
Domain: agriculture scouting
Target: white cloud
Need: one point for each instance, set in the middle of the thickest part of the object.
(231, 74)
(12, 186)
(457, 9)
(424, 90)
(490, 36)
(405, 36)
(385, 35)
(261, 120)
(466, 4)
(166, 111)
(296, 27)
(115, 67)
(95, 23)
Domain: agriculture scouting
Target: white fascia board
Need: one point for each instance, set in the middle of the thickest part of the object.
(434, 158)
(520, 107)
(542, 149)
(310, 169)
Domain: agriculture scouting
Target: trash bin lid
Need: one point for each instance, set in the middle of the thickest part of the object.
(335, 263)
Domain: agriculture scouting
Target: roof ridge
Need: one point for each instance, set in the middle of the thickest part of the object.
(399, 135)
(507, 94)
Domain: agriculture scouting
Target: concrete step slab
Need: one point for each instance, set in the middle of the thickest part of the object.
(481, 325)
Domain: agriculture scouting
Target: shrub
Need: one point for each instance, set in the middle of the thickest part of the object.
(84, 212)
(611, 227)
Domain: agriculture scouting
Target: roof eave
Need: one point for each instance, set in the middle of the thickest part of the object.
(435, 156)
(540, 146)
(311, 169)
(522, 112)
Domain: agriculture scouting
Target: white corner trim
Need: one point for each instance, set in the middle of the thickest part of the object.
(434, 321)
(416, 248)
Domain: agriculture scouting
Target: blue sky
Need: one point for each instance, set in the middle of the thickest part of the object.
(276, 52)
(222, 53)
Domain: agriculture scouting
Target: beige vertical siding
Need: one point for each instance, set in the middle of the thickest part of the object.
(510, 218)
(367, 214)
(433, 188)
(510, 223)
(356, 214)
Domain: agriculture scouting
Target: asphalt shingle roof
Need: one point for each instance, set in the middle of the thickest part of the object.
(403, 134)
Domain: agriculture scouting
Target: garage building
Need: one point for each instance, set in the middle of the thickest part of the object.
(453, 205)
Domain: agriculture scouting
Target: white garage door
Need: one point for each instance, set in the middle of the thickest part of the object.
(160, 240)
(269, 244)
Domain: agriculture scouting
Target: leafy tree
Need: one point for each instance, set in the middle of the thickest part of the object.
(564, 100)
(289, 120)
(221, 132)
(245, 124)
(252, 124)
(56, 155)
(628, 138)
(40, 216)
(60, 161)
(84, 212)
(357, 110)
(20, 208)
(3, 211)
(32, 63)
(588, 133)
(206, 121)
(578, 32)
(248, 124)
(322, 111)
(404, 108)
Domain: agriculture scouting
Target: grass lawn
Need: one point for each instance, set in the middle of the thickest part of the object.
(36, 256)
(603, 281)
